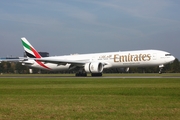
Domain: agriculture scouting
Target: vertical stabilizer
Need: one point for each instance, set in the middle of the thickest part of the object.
(29, 49)
(31, 52)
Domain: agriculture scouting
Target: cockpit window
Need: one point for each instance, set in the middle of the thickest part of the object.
(168, 55)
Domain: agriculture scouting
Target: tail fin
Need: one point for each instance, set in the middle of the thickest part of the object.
(29, 49)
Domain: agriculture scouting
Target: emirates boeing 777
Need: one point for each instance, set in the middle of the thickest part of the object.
(95, 63)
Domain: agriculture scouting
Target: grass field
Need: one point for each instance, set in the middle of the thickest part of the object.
(90, 98)
(106, 74)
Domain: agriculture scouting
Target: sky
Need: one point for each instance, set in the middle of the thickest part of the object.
(63, 27)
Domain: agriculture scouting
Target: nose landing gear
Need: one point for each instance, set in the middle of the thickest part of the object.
(161, 68)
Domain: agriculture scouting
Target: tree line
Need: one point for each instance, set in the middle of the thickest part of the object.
(18, 68)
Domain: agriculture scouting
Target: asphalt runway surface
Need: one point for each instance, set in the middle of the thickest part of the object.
(89, 77)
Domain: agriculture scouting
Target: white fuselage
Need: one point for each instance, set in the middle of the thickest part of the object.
(137, 58)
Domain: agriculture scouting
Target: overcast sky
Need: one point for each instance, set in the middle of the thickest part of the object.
(63, 27)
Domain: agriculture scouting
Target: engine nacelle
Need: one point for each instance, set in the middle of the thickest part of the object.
(94, 67)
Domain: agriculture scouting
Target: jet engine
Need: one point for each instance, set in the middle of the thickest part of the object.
(94, 67)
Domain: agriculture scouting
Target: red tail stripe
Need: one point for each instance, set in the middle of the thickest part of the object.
(41, 64)
(37, 55)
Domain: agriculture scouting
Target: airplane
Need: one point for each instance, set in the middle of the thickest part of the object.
(94, 63)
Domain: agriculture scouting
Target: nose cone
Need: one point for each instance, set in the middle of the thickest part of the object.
(173, 58)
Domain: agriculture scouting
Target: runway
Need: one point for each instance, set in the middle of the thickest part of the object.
(121, 77)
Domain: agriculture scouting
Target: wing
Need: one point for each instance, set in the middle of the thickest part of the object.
(52, 60)
(62, 61)
(12, 60)
(74, 64)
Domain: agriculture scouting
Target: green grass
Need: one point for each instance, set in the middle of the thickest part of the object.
(90, 98)
(105, 74)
